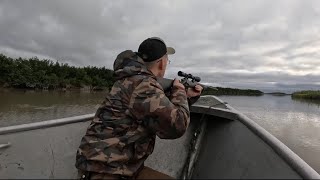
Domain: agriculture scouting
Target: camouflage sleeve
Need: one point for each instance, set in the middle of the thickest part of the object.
(167, 117)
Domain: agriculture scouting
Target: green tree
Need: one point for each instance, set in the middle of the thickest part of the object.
(35, 73)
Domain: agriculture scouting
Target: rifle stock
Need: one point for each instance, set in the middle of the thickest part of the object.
(165, 83)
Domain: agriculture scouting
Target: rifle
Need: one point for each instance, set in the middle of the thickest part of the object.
(188, 80)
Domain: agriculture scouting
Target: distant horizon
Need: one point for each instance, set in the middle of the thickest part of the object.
(288, 90)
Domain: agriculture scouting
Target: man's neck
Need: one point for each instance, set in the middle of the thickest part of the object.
(154, 72)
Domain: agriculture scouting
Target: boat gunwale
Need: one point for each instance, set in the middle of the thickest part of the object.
(45, 124)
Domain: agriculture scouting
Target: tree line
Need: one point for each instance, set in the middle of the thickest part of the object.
(232, 91)
(34, 73)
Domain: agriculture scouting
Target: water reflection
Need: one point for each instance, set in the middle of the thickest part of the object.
(307, 101)
(19, 107)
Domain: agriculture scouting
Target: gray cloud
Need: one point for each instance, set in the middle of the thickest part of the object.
(259, 44)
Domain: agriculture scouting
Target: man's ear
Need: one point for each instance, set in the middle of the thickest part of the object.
(161, 64)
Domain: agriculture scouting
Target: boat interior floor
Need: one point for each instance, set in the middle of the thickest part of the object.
(230, 150)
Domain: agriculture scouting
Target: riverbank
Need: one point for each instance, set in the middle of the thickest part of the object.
(219, 91)
(35, 74)
(312, 95)
(232, 92)
(72, 89)
(278, 94)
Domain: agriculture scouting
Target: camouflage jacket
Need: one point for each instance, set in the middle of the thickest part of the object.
(122, 134)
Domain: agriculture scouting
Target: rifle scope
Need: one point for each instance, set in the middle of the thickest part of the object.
(195, 78)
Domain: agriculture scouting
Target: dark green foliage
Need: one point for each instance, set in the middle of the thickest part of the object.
(232, 91)
(306, 95)
(34, 73)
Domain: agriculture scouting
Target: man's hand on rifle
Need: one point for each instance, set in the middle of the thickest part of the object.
(193, 92)
(178, 84)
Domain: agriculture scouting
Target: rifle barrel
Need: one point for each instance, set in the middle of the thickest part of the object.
(167, 84)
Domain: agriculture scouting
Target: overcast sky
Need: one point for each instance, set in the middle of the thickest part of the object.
(267, 45)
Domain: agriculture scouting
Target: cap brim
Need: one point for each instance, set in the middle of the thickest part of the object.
(170, 50)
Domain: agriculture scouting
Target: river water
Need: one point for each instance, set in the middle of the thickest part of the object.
(295, 123)
(19, 107)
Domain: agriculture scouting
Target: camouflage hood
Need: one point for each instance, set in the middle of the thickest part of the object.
(128, 64)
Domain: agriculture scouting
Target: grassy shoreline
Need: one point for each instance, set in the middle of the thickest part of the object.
(313, 95)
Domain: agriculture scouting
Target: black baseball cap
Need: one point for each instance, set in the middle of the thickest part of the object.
(153, 48)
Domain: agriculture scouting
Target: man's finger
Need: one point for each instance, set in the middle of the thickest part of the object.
(178, 84)
(198, 88)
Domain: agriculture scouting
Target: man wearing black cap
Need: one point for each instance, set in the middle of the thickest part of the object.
(153, 51)
(122, 134)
